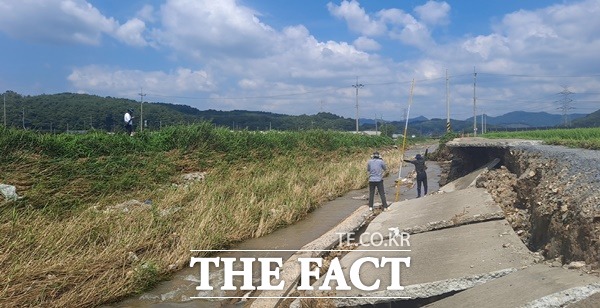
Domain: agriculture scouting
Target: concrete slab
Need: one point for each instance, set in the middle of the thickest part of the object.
(437, 211)
(290, 272)
(484, 142)
(536, 286)
(589, 302)
(459, 255)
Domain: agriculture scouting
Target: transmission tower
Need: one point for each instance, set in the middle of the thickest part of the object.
(565, 104)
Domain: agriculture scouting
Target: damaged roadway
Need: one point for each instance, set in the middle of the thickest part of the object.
(463, 253)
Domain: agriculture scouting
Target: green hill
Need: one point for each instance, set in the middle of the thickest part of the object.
(78, 112)
(591, 120)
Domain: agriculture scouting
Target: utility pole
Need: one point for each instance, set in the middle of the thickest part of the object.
(448, 126)
(4, 96)
(23, 118)
(357, 86)
(483, 122)
(142, 109)
(474, 103)
(376, 124)
(482, 127)
(565, 104)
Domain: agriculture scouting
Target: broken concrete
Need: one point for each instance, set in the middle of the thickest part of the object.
(461, 244)
(535, 286)
(454, 254)
(438, 211)
(290, 272)
(423, 290)
(553, 196)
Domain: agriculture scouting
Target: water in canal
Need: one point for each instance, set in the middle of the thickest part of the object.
(181, 288)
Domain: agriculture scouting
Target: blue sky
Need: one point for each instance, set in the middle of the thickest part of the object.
(302, 57)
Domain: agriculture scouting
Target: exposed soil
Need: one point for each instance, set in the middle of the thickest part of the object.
(550, 194)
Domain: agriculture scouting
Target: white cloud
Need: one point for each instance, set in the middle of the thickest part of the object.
(434, 13)
(206, 28)
(147, 13)
(366, 44)
(396, 23)
(115, 80)
(225, 49)
(65, 21)
(55, 21)
(485, 46)
(356, 18)
(131, 33)
(540, 41)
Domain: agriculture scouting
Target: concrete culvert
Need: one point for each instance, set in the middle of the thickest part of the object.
(550, 194)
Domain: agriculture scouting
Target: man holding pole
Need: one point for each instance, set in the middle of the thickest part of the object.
(420, 168)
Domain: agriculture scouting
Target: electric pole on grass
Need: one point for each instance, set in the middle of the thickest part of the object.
(448, 126)
(4, 97)
(142, 109)
(357, 86)
(474, 103)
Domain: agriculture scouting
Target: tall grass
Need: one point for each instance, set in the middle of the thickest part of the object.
(588, 138)
(62, 247)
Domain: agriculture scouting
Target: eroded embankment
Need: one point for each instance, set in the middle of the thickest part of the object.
(551, 194)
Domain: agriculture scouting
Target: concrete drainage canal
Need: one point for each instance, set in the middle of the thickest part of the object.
(550, 196)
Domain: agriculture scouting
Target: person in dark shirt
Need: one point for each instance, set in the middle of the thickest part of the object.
(420, 168)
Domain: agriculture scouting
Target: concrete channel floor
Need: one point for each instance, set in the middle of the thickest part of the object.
(521, 288)
(460, 242)
(437, 257)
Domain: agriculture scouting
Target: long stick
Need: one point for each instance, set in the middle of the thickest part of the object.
(402, 150)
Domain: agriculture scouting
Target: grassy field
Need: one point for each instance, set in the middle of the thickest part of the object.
(66, 244)
(587, 138)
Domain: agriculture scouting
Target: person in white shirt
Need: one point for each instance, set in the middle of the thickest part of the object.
(128, 119)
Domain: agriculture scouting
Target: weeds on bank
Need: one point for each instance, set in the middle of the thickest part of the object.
(63, 246)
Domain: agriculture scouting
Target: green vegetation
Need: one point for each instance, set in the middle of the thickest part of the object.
(82, 112)
(587, 138)
(70, 239)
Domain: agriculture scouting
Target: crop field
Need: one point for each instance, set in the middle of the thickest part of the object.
(66, 241)
(587, 138)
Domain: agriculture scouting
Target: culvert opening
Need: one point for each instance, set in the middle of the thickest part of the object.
(512, 193)
(539, 202)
